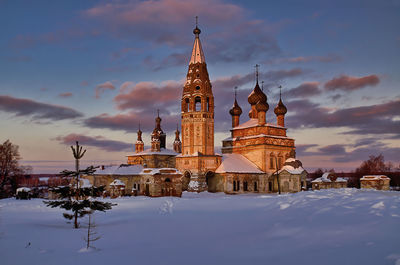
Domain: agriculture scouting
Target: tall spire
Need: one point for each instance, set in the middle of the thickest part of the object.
(197, 51)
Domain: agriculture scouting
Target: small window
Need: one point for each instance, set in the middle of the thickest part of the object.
(238, 185)
(280, 162)
(208, 104)
(197, 87)
(234, 185)
(255, 186)
(187, 104)
(271, 162)
(197, 103)
(245, 186)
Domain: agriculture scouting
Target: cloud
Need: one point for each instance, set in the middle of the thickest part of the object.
(304, 90)
(272, 76)
(343, 153)
(84, 83)
(101, 88)
(373, 119)
(232, 36)
(131, 15)
(96, 141)
(330, 58)
(59, 36)
(37, 110)
(129, 122)
(146, 94)
(350, 83)
(65, 95)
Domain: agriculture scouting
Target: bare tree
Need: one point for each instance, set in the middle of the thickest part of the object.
(92, 235)
(10, 168)
(374, 165)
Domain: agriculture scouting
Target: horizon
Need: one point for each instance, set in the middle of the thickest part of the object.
(92, 71)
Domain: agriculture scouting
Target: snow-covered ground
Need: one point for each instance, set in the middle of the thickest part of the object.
(345, 226)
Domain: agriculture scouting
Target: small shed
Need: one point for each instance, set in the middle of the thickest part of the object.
(23, 193)
(378, 182)
(329, 180)
(117, 188)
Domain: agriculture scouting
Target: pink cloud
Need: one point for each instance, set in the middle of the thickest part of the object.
(145, 94)
(129, 121)
(65, 95)
(37, 110)
(95, 141)
(163, 12)
(349, 83)
(101, 88)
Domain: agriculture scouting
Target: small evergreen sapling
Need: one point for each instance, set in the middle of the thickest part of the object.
(76, 199)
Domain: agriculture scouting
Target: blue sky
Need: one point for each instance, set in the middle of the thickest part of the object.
(80, 70)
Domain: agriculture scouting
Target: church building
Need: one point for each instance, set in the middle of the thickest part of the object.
(257, 157)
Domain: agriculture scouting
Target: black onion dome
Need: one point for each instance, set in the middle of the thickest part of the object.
(280, 109)
(196, 31)
(262, 106)
(236, 110)
(256, 95)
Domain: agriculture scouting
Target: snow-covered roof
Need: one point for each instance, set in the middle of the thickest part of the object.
(252, 123)
(290, 160)
(255, 136)
(195, 154)
(45, 179)
(85, 183)
(374, 177)
(325, 178)
(153, 171)
(292, 170)
(236, 163)
(23, 189)
(120, 170)
(163, 151)
(117, 182)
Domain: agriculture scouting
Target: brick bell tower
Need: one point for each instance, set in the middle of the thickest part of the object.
(197, 120)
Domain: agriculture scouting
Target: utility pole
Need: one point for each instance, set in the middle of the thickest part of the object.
(277, 175)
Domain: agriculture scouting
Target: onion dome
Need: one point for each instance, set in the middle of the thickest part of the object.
(196, 31)
(256, 95)
(262, 106)
(280, 109)
(236, 110)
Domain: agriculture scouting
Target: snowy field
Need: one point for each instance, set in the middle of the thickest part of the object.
(346, 226)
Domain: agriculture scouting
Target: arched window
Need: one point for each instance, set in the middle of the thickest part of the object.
(197, 102)
(187, 104)
(271, 162)
(280, 162)
(197, 87)
(238, 185)
(208, 104)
